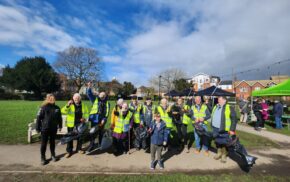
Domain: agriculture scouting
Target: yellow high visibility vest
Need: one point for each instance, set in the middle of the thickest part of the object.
(199, 113)
(137, 117)
(123, 124)
(165, 117)
(186, 119)
(70, 112)
(95, 108)
(227, 116)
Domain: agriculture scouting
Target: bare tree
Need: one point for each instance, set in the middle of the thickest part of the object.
(79, 64)
(167, 79)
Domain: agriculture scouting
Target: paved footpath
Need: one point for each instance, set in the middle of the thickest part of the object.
(26, 159)
(264, 133)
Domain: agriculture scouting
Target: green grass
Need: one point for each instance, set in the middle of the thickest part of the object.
(151, 178)
(15, 116)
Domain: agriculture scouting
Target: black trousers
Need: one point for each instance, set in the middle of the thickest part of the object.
(121, 145)
(179, 133)
(69, 147)
(100, 133)
(45, 136)
(259, 119)
(184, 134)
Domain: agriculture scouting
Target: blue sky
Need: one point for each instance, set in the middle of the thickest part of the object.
(139, 38)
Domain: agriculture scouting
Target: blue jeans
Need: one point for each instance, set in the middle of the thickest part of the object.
(278, 122)
(197, 139)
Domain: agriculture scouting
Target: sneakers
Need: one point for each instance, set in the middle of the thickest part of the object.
(54, 159)
(206, 153)
(196, 151)
(81, 152)
(43, 161)
(161, 165)
(68, 155)
(219, 154)
(152, 166)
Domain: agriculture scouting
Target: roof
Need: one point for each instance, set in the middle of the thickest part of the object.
(226, 82)
(265, 83)
(279, 77)
(214, 91)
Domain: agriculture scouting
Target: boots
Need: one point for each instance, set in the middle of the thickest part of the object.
(224, 155)
(219, 154)
(43, 160)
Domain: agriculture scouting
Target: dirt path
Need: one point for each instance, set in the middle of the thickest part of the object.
(280, 138)
(25, 159)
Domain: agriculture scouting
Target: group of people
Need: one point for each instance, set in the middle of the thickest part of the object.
(261, 111)
(142, 125)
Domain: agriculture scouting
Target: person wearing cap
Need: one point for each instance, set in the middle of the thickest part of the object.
(158, 133)
(223, 119)
(98, 115)
(200, 116)
(76, 112)
(137, 108)
(121, 129)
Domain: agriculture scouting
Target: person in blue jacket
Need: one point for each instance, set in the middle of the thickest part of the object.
(158, 140)
(278, 112)
(99, 114)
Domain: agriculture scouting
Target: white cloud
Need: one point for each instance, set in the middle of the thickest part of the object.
(112, 59)
(227, 34)
(20, 27)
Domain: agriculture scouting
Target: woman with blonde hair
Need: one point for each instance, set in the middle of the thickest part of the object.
(48, 121)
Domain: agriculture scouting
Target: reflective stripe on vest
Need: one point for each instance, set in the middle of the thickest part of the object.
(70, 112)
(227, 117)
(122, 124)
(95, 108)
(165, 117)
(186, 119)
(137, 118)
(199, 113)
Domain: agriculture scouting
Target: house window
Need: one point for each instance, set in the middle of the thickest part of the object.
(257, 88)
(243, 89)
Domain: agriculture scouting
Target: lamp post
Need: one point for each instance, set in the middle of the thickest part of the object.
(159, 86)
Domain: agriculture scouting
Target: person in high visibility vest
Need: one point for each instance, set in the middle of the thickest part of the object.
(200, 115)
(177, 115)
(148, 111)
(223, 119)
(98, 115)
(137, 109)
(186, 120)
(166, 115)
(77, 112)
(115, 112)
(121, 129)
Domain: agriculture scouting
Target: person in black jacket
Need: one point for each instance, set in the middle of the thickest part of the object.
(257, 108)
(48, 121)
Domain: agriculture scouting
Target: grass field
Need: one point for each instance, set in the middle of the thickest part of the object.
(151, 178)
(15, 116)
